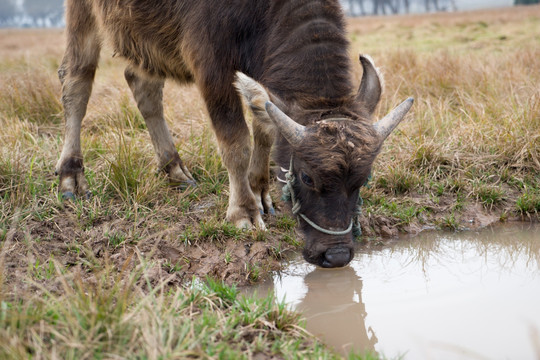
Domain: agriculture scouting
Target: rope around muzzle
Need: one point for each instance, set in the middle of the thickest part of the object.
(288, 195)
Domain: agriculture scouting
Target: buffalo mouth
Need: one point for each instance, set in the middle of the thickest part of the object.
(333, 257)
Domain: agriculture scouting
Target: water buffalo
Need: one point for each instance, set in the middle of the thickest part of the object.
(287, 58)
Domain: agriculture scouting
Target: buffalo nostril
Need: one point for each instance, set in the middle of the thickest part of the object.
(336, 257)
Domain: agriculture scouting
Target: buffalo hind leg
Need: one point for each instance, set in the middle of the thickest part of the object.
(76, 75)
(225, 110)
(148, 93)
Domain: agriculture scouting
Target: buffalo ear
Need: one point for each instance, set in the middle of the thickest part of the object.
(254, 93)
(371, 86)
(261, 103)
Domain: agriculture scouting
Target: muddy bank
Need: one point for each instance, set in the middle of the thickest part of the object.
(177, 246)
(77, 243)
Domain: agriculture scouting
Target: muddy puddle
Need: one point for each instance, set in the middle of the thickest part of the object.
(467, 295)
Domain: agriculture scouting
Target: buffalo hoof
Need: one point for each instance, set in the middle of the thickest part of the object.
(245, 224)
(185, 185)
(245, 218)
(271, 211)
(68, 195)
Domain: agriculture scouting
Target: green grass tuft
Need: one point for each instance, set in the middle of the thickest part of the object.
(488, 195)
(529, 202)
(218, 231)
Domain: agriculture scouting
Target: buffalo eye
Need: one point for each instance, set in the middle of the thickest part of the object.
(306, 179)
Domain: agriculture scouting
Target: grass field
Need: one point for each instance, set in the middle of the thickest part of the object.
(112, 276)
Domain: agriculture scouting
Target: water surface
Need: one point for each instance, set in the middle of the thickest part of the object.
(468, 295)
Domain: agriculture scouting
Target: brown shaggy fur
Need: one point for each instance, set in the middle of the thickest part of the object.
(296, 48)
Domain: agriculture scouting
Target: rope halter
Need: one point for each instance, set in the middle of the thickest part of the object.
(288, 194)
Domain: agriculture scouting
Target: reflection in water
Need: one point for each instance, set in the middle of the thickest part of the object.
(340, 317)
(470, 295)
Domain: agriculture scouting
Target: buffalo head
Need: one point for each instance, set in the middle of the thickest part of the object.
(326, 155)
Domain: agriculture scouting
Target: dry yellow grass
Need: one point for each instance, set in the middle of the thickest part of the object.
(475, 126)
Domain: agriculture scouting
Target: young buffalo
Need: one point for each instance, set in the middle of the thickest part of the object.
(289, 60)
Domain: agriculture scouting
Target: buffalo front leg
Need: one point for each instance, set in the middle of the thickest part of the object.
(243, 210)
(148, 93)
(225, 109)
(259, 167)
(264, 134)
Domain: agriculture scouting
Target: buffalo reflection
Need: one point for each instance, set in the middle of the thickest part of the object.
(334, 310)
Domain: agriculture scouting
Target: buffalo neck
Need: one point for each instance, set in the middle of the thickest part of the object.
(306, 57)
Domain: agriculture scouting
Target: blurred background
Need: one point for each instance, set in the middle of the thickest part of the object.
(49, 13)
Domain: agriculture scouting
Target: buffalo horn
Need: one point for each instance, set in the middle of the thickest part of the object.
(290, 129)
(388, 123)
